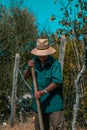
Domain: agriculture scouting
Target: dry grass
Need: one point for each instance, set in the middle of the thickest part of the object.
(29, 125)
(21, 126)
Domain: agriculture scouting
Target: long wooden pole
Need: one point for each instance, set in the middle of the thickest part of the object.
(37, 101)
(62, 51)
(14, 88)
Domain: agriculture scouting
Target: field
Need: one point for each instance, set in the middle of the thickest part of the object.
(24, 126)
(19, 126)
(29, 125)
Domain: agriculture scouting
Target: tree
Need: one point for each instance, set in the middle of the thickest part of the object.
(74, 18)
(74, 23)
(17, 35)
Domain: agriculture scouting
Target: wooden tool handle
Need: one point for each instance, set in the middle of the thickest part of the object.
(37, 101)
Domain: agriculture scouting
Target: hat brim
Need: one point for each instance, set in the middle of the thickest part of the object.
(39, 52)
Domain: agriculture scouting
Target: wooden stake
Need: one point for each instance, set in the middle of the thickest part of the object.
(37, 101)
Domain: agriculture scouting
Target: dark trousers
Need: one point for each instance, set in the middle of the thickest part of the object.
(53, 120)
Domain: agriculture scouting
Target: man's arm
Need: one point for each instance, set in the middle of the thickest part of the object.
(27, 74)
(51, 87)
(48, 89)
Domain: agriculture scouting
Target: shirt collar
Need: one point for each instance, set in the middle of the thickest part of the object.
(48, 62)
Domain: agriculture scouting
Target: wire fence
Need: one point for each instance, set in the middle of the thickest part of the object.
(24, 113)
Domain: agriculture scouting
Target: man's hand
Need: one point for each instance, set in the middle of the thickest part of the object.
(37, 94)
(31, 63)
(27, 73)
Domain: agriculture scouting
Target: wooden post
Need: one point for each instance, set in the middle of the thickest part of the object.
(62, 51)
(14, 88)
(37, 101)
(80, 74)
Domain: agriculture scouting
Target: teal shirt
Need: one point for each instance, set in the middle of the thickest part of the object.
(51, 72)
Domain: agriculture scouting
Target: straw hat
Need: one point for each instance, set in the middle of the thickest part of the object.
(43, 48)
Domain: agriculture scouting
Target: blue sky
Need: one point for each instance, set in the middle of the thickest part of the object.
(43, 10)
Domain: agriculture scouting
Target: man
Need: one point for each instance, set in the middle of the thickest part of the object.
(49, 83)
